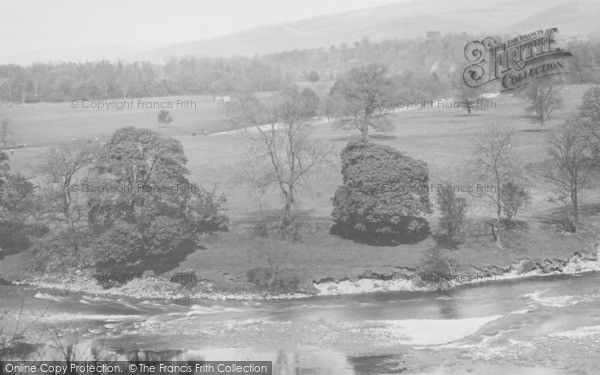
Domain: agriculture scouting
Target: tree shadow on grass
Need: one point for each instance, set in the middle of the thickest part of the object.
(466, 115)
(442, 240)
(373, 236)
(168, 263)
(376, 137)
(556, 220)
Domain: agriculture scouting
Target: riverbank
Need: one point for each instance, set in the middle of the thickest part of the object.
(405, 280)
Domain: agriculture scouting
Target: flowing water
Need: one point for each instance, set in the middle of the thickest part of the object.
(538, 326)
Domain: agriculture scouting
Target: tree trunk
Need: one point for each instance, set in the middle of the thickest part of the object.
(575, 201)
(498, 216)
(287, 215)
(365, 129)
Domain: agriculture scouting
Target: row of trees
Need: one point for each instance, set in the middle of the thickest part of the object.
(101, 80)
(422, 69)
(126, 205)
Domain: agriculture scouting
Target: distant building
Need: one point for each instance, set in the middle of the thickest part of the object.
(434, 34)
(579, 38)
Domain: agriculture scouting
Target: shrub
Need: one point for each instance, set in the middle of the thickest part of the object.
(453, 211)
(275, 281)
(384, 193)
(513, 196)
(275, 276)
(186, 278)
(436, 266)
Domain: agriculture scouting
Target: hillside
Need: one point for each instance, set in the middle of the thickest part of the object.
(398, 21)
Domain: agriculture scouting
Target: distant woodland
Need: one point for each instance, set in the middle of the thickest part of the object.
(422, 67)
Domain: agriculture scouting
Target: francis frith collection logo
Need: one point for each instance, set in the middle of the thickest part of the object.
(516, 62)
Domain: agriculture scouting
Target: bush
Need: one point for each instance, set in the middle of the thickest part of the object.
(436, 266)
(513, 196)
(453, 211)
(384, 193)
(268, 279)
(276, 276)
(186, 278)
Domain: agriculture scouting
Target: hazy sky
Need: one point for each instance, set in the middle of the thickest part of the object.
(38, 25)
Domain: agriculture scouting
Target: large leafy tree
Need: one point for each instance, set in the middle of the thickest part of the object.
(362, 91)
(141, 204)
(383, 196)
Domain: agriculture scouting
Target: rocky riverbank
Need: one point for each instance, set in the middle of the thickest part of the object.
(410, 280)
(404, 279)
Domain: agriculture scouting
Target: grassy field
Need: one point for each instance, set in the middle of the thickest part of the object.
(443, 138)
(47, 124)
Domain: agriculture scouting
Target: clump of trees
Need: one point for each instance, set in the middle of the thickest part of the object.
(125, 206)
(16, 209)
(384, 194)
(156, 214)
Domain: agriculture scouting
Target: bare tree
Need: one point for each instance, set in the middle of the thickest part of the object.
(495, 160)
(568, 168)
(363, 91)
(59, 168)
(281, 150)
(543, 97)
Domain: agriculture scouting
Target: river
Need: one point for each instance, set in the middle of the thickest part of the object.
(537, 326)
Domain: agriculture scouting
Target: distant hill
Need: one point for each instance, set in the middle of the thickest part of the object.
(398, 21)
(95, 53)
(406, 20)
(572, 18)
